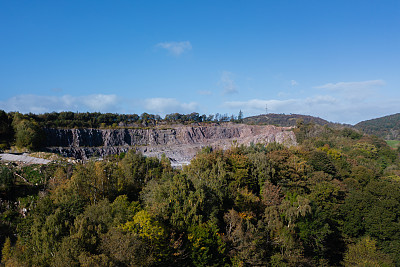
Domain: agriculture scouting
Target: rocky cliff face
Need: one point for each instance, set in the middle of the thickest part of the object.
(179, 143)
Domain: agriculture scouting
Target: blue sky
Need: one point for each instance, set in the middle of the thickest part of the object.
(338, 60)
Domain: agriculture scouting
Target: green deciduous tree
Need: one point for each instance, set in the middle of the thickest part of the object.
(374, 211)
(6, 130)
(6, 251)
(365, 253)
(206, 245)
(7, 179)
(28, 134)
(136, 171)
(126, 248)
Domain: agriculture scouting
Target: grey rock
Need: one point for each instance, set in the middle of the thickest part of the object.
(179, 143)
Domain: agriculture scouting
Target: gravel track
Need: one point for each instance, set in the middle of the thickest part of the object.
(23, 158)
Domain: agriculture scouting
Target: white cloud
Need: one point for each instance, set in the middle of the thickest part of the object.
(283, 94)
(93, 103)
(99, 101)
(335, 109)
(354, 91)
(321, 100)
(228, 83)
(176, 48)
(293, 83)
(42, 104)
(345, 102)
(205, 92)
(352, 86)
(168, 105)
(255, 106)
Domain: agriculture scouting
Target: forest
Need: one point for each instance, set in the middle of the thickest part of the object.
(333, 200)
(387, 127)
(68, 119)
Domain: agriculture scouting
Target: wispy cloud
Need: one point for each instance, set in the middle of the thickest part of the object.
(168, 105)
(255, 106)
(42, 104)
(205, 92)
(228, 84)
(352, 85)
(346, 102)
(93, 103)
(57, 90)
(176, 48)
(336, 109)
(354, 91)
(99, 101)
(293, 83)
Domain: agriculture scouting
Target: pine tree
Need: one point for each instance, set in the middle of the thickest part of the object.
(240, 116)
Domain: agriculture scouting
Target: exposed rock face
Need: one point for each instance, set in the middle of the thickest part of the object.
(179, 143)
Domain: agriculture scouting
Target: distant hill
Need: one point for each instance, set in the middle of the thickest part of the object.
(284, 120)
(387, 127)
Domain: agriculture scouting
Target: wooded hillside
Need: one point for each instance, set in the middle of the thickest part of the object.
(332, 200)
(284, 120)
(387, 127)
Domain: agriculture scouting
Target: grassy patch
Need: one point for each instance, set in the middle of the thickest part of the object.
(32, 174)
(393, 143)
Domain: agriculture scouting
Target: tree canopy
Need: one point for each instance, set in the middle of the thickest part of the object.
(332, 200)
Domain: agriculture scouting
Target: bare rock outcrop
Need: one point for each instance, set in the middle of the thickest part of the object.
(179, 143)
